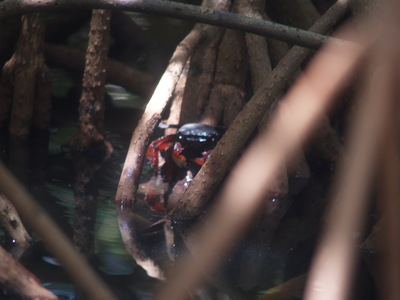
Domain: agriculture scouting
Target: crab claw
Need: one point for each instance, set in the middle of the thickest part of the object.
(161, 144)
(179, 159)
(201, 160)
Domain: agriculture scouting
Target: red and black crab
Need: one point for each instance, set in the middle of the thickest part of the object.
(177, 158)
(192, 143)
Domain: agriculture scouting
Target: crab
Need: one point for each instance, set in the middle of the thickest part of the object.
(177, 158)
(192, 144)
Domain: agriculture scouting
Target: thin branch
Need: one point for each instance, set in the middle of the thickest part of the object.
(65, 252)
(188, 12)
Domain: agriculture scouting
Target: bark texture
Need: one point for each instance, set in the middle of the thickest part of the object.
(12, 224)
(91, 133)
(227, 93)
(201, 76)
(25, 83)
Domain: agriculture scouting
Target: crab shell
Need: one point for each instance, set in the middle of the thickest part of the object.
(195, 141)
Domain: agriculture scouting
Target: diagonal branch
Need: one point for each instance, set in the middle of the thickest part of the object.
(370, 141)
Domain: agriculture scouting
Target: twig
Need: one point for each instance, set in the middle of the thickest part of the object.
(188, 12)
(223, 156)
(37, 219)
